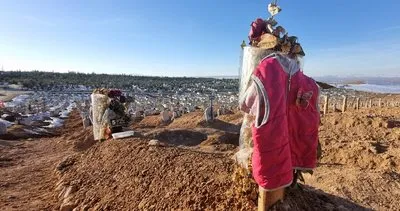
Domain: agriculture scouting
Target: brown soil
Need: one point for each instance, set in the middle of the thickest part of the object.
(359, 169)
(149, 122)
(190, 120)
(363, 154)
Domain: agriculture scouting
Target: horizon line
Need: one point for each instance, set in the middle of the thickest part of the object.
(183, 76)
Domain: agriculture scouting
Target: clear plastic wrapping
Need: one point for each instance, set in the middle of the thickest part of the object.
(100, 104)
(251, 57)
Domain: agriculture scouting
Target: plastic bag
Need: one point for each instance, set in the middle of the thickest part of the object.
(251, 57)
(100, 103)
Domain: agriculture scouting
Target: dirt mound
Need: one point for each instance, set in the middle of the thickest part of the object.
(221, 141)
(362, 153)
(82, 139)
(220, 125)
(206, 138)
(229, 122)
(73, 132)
(149, 122)
(190, 120)
(130, 175)
(235, 118)
(361, 139)
(178, 136)
(73, 122)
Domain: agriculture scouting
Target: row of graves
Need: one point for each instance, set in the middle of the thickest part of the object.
(38, 113)
(111, 111)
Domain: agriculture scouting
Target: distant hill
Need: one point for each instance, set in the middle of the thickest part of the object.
(359, 80)
(37, 80)
(324, 85)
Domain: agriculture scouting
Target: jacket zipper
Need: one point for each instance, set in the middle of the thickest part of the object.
(288, 87)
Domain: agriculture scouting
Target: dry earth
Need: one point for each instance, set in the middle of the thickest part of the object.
(191, 168)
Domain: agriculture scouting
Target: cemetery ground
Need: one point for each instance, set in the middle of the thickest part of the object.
(7, 95)
(190, 167)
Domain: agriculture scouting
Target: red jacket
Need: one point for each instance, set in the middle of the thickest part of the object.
(285, 132)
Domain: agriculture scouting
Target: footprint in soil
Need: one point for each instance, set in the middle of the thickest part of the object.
(379, 148)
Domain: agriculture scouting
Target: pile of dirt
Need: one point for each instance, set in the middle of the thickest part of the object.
(221, 141)
(235, 118)
(178, 137)
(363, 154)
(220, 125)
(361, 139)
(131, 175)
(190, 120)
(209, 139)
(149, 122)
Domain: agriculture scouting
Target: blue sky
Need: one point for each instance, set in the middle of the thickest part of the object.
(194, 38)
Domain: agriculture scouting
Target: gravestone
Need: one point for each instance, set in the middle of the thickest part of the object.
(174, 115)
(3, 128)
(86, 121)
(165, 116)
(208, 115)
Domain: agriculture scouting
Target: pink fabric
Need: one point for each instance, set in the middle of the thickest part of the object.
(288, 140)
(304, 120)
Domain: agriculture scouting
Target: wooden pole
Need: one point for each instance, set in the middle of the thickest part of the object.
(344, 105)
(380, 102)
(326, 104)
(358, 103)
(268, 198)
(370, 103)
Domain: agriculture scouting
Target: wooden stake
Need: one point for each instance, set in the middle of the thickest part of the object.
(326, 103)
(370, 103)
(344, 105)
(268, 198)
(380, 102)
(358, 103)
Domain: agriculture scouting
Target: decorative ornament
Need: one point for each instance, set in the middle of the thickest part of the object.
(268, 41)
(273, 9)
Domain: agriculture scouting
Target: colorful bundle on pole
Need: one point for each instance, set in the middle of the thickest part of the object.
(266, 34)
(265, 37)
